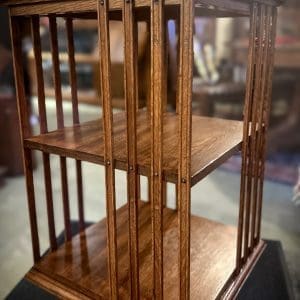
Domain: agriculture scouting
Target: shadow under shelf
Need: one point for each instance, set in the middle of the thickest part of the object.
(213, 142)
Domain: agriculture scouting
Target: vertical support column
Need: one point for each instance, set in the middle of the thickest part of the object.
(36, 39)
(246, 138)
(156, 111)
(270, 43)
(254, 128)
(265, 32)
(131, 103)
(73, 84)
(105, 75)
(257, 108)
(15, 26)
(185, 139)
(60, 123)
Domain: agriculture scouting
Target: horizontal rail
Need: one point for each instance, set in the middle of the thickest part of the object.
(34, 7)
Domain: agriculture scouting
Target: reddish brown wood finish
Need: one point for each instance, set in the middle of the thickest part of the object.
(82, 267)
(149, 251)
(15, 27)
(35, 27)
(74, 94)
(257, 110)
(185, 144)
(105, 73)
(156, 127)
(131, 103)
(213, 142)
(60, 122)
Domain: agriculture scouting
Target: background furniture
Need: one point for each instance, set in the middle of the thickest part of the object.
(149, 250)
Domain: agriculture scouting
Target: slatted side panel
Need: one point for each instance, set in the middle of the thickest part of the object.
(75, 114)
(60, 122)
(36, 41)
(257, 108)
(16, 28)
(131, 104)
(105, 76)
(185, 135)
(156, 111)
(270, 43)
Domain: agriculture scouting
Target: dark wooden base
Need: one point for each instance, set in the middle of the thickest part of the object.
(78, 269)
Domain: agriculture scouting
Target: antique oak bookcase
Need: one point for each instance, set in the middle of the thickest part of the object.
(145, 249)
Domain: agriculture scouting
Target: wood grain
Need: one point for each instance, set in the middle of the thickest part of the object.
(131, 104)
(15, 29)
(209, 7)
(185, 81)
(60, 122)
(84, 269)
(156, 142)
(105, 76)
(213, 142)
(36, 39)
(75, 114)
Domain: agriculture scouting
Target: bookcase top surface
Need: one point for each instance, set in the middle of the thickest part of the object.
(115, 3)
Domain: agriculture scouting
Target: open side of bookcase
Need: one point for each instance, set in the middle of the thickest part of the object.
(144, 249)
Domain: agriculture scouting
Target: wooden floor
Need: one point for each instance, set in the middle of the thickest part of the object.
(213, 142)
(81, 264)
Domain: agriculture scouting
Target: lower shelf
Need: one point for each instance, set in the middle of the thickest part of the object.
(78, 269)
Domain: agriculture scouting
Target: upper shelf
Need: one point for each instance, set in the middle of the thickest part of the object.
(218, 8)
(213, 142)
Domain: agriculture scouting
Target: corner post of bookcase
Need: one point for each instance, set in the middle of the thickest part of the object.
(25, 132)
(185, 140)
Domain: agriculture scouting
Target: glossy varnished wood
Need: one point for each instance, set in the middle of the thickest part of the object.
(213, 141)
(221, 8)
(81, 265)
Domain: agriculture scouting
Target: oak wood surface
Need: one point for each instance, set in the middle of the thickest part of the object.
(81, 264)
(213, 141)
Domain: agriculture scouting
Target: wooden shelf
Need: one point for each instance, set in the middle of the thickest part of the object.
(79, 267)
(213, 142)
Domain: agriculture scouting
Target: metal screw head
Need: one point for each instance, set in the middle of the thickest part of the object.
(108, 163)
(183, 180)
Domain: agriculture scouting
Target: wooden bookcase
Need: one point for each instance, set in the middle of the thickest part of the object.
(144, 249)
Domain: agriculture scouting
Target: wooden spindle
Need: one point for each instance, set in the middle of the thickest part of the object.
(260, 123)
(36, 39)
(105, 75)
(131, 100)
(246, 128)
(75, 113)
(25, 132)
(254, 127)
(266, 113)
(60, 122)
(185, 134)
(156, 111)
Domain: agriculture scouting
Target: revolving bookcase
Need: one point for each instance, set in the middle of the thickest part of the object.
(145, 249)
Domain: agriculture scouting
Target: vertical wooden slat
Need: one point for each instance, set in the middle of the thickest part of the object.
(105, 75)
(60, 122)
(260, 123)
(35, 29)
(156, 111)
(15, 27)
(75, 113)
(131, 103)
(185, 134)
(246, 139)
(254, 127)
(266, 114)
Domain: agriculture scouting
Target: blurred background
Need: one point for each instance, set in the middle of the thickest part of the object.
(220, 54)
